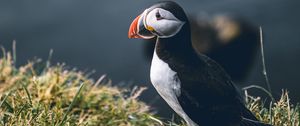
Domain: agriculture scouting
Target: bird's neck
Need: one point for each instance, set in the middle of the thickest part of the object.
(177, 48)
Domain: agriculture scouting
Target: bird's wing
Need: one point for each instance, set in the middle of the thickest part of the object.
(207, 74)
(208, 90)
(217, 70)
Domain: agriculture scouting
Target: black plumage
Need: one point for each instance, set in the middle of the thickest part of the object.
(209, 97)
(207, 94)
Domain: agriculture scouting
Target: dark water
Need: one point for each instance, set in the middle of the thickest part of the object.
(92, 35)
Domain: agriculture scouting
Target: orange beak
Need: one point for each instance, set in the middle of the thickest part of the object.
(133, 29)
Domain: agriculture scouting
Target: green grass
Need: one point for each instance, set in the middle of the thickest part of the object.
(54, 96)
(39, 94)
(278, 113)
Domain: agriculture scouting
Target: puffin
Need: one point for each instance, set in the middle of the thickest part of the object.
(196, 87)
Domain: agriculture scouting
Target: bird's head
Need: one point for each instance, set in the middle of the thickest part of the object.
(163, 20)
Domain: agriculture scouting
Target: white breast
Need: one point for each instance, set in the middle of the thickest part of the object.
(167, 84)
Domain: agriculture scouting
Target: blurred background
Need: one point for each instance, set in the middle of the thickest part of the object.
(92, 35)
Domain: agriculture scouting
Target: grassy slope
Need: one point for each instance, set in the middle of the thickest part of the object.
(36, 94)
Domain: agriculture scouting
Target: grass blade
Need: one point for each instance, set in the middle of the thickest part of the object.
(261, 88)
(27, 93)
(4, 99)
(71, 106)
(263, 61)
(14, 53)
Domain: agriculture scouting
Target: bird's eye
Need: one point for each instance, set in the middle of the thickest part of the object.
(158, 16)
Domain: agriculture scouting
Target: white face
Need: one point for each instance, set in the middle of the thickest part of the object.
(162, 22)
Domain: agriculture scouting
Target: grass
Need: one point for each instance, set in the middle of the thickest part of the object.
(52, 96)
(39, 94)
(278, 113)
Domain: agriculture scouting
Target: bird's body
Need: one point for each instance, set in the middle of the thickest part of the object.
(193, 85)
(167, 84)
(196, 88)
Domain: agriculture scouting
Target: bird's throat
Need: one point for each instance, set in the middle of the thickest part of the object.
(178, 48)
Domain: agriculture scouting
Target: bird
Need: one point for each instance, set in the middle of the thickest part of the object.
(196, 87)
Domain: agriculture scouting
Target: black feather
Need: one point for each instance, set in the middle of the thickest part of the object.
(208, 95)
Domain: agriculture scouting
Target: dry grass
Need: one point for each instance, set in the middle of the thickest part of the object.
(40, 94)
(278, 113)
